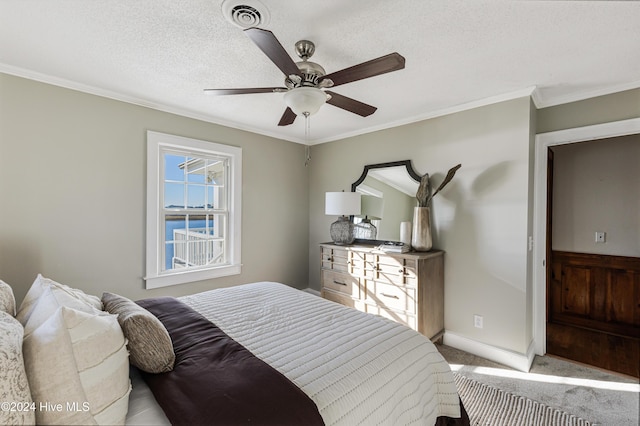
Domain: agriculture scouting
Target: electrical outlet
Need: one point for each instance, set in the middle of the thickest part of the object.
(477, 321)
(601, 237)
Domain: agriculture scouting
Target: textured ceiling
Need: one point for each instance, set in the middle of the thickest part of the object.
(162, 53)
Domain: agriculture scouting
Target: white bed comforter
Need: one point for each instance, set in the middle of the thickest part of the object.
(358, 368)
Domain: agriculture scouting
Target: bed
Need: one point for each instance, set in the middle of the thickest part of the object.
(357, 368)
(342, 366)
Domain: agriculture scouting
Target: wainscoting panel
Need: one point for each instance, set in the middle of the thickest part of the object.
(594, 310)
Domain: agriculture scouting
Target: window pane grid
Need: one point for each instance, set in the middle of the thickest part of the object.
(193, 218)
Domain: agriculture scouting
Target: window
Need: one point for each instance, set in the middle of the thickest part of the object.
(193, 210)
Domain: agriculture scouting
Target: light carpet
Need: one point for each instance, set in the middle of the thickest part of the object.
(487, 405)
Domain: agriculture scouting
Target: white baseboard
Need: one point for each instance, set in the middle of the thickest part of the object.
(516, 360)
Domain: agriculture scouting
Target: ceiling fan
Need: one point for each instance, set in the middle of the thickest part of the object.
(305, 81)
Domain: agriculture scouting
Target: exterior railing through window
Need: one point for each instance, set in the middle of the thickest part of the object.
(194, 247)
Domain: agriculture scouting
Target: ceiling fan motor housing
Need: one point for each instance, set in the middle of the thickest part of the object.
(310, 72)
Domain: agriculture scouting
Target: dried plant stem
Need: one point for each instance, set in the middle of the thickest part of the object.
(424, 195)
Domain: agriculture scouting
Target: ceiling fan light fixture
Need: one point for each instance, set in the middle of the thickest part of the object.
(305, 100)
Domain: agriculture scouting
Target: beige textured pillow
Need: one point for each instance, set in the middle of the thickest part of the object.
(150, 346)
(7, 299)
(37, 288)
(14, 387)
(78, 360)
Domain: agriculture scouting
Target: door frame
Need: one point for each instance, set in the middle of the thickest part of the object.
(543, 142)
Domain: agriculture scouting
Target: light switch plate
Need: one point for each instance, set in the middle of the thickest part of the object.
(477, 321)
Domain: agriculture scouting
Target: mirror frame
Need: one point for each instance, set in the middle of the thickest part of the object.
(412, 173)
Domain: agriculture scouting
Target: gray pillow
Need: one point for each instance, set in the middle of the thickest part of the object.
(7, 299)
(150, 346)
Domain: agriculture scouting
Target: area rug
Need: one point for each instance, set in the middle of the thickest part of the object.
(487, 405)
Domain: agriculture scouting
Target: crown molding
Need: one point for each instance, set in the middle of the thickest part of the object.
(526, 92)
(533, 92)
(541, 102)
(117, 96)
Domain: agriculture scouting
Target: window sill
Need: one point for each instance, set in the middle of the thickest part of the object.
(176, 278)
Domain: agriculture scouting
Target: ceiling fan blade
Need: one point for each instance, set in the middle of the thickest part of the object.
(271, 47)
(287, 118)
(384, 64)
(350, 105)
(219, 92)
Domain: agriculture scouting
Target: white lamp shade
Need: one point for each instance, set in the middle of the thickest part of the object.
(303, 100)
(342, 203)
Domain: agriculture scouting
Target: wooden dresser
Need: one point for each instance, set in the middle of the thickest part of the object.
(407, 288)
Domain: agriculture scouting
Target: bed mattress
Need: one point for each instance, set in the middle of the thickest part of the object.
(358, 368)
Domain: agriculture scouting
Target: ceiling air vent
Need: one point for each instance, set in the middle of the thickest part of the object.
(245, 13)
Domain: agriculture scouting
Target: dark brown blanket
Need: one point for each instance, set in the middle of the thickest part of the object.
(463, 420)
(216, 381)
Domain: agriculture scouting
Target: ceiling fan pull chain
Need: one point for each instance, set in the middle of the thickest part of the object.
(307, 131)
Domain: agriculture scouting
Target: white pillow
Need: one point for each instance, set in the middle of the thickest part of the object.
(48, 303)
(37, 288)
(14, 388)
(79, 360)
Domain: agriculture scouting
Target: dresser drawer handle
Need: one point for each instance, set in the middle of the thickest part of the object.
(391, 296)
(339, 283)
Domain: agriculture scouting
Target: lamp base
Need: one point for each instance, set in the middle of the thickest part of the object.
(365, 230)
(341, 231)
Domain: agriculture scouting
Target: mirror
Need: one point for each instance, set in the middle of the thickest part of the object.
(388, 198)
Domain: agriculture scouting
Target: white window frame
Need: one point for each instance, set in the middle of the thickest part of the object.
(157, 143)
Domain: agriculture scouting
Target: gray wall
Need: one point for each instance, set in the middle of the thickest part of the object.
(72, 193)
(596, 187)
(481, 219)
(598, 110)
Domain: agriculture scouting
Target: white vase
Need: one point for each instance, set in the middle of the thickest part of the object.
(421, 235)
(405, 233)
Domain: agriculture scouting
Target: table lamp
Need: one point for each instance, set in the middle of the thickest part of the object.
(342, 204)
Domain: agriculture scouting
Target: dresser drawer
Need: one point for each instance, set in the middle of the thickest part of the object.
(395, 297)
(343, 261)
(357, 263)
(401, 317)
(343, 299)
(394, 270)
(341, 282)
(336, 259)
